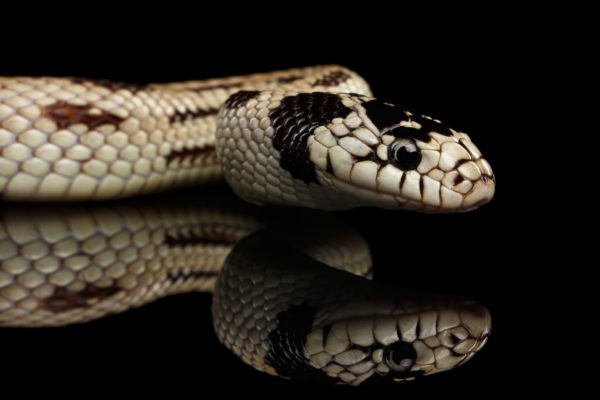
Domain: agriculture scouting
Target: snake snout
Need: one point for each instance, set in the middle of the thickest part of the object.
(476, 319)
(483, 184)
(468, 181)
(457, 333)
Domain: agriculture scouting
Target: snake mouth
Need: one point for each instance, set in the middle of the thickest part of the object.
(435, 192)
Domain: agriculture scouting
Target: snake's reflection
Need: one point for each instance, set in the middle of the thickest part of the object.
(277, 304)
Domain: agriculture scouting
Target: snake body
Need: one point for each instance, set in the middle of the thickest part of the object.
(310, 137)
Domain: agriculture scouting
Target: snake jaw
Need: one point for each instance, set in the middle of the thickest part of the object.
(449, 178)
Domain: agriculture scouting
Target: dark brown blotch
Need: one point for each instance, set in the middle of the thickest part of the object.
(188, 115)
(215, 87)
(65, 115)
(64, 299)
(240, 98)
(294, 121)
(210, 237)
(334, 78)
(195, 154)
(288, 79)
(194, 275)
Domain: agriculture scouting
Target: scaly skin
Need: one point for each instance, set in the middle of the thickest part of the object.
(309, 137)
(289, 137)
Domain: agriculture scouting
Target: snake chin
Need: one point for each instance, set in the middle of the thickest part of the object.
(480, 193)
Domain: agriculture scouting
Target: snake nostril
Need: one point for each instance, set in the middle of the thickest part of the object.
(458, 180)
(454, 339)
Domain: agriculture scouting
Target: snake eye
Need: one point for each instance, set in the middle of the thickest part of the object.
(405, 154)
(400, 356)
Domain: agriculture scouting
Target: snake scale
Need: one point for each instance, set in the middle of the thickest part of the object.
(308, 137)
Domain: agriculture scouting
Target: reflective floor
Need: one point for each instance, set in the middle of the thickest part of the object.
(435, 253)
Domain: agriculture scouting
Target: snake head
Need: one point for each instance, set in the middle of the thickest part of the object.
(381, 345)
(339, 151)
(381, 155)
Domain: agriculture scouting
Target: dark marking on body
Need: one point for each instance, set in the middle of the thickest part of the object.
(195, 154)
(64, 299)
(286, 346)
(205, 238)
(188, 115)
(64, 115)
(215, 87)
(240, 98)
(111, 85)
(294, 121)
(288, 79)
(332, 79)
(194, 275)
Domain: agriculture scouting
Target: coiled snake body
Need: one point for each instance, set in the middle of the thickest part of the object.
(310, 137)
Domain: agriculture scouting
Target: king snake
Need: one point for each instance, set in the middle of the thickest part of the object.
(308, 137)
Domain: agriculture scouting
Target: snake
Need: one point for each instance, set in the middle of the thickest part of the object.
(311, 137)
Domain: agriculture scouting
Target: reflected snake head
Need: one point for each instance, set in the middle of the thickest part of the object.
(317, 324)
(399, 344)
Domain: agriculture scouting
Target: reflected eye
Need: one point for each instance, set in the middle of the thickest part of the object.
(400, 356)
(404, 154)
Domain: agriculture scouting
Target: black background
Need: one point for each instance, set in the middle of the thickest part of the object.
(473, 71)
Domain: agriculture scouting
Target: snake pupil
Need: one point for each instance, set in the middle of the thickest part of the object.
(405, 154)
